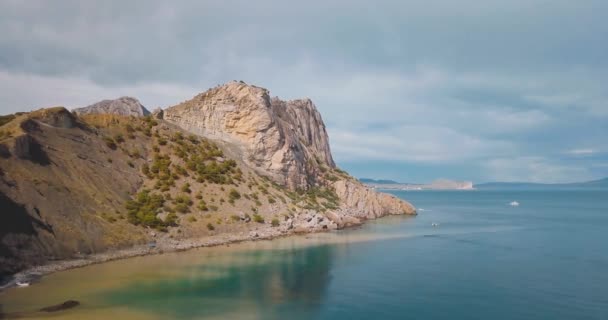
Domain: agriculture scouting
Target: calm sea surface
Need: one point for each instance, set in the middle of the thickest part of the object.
(546, 259)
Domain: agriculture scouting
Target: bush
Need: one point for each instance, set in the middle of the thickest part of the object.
(182, 208)
(275, 222)
(131, 164)
(171, 220)
(119, 138)
(186, 188)
(210, 226)
(234, 217)
(258, 218)
(202, 206)
(234, 195)
(142, 210)
(110, 143)
(192, 219)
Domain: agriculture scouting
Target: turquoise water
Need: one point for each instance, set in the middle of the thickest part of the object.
(546, 259)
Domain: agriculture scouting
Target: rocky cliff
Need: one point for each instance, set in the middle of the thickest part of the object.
(230, 162)
(124, 106)
(285, 140)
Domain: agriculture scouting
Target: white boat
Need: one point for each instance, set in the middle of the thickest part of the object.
(434, 224)
(22, 284)
(514, 204)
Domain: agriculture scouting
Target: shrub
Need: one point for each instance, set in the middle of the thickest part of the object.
(182, 208)
(145, 169)
(234, 217)
(131, 164)
(202, 206)
(192, 219)
(271, 200)
(171, 220)
(142, 210)
(119, 138)
(210, 226)
(110, 143)
(258, 218)
(186, 188)
(275, 222)
(234, 195)
(213, 208)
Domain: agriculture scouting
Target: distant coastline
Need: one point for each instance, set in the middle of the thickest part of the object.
(441, 184)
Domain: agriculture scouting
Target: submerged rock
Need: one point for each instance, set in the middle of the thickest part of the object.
(62, 306)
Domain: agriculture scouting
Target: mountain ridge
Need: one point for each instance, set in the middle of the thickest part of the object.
(82, 184)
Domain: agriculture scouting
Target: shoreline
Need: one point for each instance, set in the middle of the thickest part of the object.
(33, 274)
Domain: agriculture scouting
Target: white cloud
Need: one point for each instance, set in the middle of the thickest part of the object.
(581, 152)
(534, 169)
(24, 92)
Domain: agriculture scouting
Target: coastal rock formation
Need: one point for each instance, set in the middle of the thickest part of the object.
(124, 106)
(231, 163)
(285, 140)
(364, 202)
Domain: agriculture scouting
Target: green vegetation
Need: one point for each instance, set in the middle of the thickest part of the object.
(143, 209)
(6, 119)
(182, 203)
(275, 222)
(186, 188)
(234, 217)
(118, 138)
(210, 226)
(258, 218)
(191, 219)
(110, 143)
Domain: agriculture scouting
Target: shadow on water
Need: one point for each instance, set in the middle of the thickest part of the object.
(270, 284)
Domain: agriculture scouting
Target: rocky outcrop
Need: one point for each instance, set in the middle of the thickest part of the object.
(284, 140)
(123, 106)
(363, 202)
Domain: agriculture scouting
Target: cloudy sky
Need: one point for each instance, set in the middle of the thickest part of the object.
(481, 90)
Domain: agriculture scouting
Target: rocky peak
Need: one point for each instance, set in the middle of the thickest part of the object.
(124, 106)
(285, 140)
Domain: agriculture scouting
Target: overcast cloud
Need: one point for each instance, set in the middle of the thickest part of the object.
(410, 90)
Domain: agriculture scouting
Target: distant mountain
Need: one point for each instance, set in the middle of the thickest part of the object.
(440, 184)
(380, 181)
(595, 184)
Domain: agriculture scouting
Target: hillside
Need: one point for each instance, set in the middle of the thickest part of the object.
(231, 160)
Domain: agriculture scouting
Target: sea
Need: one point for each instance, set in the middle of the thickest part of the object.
(466, 255)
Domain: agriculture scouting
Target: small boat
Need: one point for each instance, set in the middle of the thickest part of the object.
(22, 284)
(514, 204)
(435, 224)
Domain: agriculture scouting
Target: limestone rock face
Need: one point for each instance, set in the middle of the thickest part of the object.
(124, 106)
(284, 140)
(366, 203)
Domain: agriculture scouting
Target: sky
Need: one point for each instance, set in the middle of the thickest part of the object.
(413, 91)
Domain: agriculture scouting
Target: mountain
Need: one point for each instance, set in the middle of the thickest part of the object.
(229, 163)
(595, 184)
(374, 181)
(124, 106)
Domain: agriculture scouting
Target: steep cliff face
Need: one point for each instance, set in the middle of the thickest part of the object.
(124, 106)
(285, 140)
